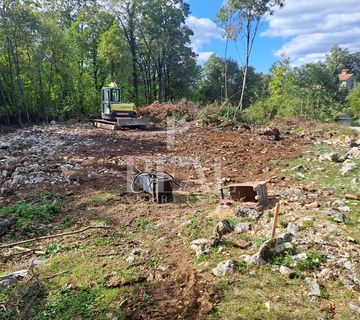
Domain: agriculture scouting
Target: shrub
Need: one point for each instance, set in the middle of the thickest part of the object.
(354, 100)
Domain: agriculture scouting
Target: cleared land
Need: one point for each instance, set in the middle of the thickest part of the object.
(63, 178)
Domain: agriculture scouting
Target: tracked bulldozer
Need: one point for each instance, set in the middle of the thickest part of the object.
(115, 114)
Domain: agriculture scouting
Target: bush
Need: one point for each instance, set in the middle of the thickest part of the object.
(227, 114)
(354, 100)
(259, 113)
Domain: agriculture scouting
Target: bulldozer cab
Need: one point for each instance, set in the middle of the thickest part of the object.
(109, 95)
(115, 114)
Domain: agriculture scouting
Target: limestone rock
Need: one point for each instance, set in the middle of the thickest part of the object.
(351, 282)
(354, 308)
(337, 215)
(224, 267)
(9, 280)
(242, 227)
(293, 228)
(331, 157)
(270, 249)
(201, 246)
(353, 153)
(5, 225)
(314, 288)
(287, 272)
(246, 212)
(348, 166)
(221, 229)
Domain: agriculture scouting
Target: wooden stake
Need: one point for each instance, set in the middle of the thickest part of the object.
(276, 216)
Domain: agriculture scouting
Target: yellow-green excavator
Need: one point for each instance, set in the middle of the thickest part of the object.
(115, 114)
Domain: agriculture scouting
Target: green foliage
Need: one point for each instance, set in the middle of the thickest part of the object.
(308, 92)
(69, 304)
(68, 221)
(354, 100)
(212, 86)
(29, 216)
(241, 266)
(308, 224)
(142, 223)
(282, 260)
(52, 248)
(58, 56)
(230, 113)
(179, 117)
(312, 262)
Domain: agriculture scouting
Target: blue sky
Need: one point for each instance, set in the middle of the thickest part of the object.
(303, 30)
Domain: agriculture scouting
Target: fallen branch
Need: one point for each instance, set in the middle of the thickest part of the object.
(57, 274)
(29, 250)
(22, 251)
(9, 245)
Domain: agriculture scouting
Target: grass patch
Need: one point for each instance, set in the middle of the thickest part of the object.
(29, 216)
(67, 304)
(254, 293)
(324, 174)
(142, 223)
(309, 224)
(312, 262)
(101, 198)
(68, 221)
(52, 249)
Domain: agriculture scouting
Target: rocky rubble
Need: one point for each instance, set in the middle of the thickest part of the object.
(33, 157)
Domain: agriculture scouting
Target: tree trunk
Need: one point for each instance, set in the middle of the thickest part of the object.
(44, 112)
(12, 84)
(225, 69)
(245, 72)
(133, 51)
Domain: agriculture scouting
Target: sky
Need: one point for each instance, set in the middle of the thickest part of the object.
(304, 30)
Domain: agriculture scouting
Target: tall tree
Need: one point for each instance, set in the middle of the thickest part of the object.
(337, 59)
(246, 15)
(212, 88)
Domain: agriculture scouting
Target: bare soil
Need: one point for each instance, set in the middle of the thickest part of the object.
(176, 291)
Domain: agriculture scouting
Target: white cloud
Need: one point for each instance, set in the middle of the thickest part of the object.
(204, 56)
(205, 31)
(314, 26)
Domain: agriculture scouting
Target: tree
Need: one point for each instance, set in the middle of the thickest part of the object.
(354, 100)
(337, 59)
(127, 13)
(246, 16)
(211, 87)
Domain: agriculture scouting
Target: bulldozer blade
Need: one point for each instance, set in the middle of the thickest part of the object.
(103, 124)
(132, 122)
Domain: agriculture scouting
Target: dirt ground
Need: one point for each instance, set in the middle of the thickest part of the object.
(165, 280)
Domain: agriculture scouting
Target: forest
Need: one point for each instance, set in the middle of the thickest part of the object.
(56, 55)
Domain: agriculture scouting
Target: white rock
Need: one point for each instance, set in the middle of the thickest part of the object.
(224, 267)
(287, 271)
(313, 287)
(331, 156)
(201, 246)
(242, 227)
(353, 153)
(348, 166)
(354, 308)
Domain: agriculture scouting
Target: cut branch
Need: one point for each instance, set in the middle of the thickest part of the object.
(9, 245)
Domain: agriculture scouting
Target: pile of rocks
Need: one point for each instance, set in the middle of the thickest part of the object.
(32, 157)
